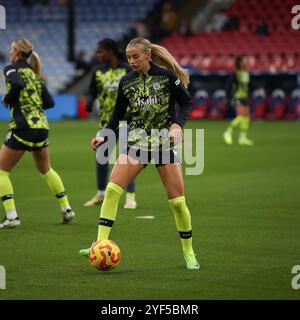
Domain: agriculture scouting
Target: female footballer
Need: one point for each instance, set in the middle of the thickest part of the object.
(104, 88)
(150, 91)
(27, 97)
(238, 87)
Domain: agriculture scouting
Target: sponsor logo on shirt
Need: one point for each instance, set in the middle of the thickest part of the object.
(146, 101)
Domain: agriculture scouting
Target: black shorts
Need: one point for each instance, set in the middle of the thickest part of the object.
(159, 157)
(27, 139)
(239, 102)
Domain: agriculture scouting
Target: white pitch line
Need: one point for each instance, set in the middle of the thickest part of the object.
(145, 217)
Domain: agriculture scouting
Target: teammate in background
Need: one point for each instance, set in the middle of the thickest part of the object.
(27, 97)
(238, 88)
(151, 90)
(104, 88)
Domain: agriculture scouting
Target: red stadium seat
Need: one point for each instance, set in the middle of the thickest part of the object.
(219, 106)
(293, 106)
(258, 104)
(277, 103)
(216, 46)
(201, 103)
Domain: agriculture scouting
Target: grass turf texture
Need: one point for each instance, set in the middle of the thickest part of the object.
(245, 215)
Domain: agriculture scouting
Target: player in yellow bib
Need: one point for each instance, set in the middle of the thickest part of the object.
(27, 97)
(104, 89)
(238, 88)
(150, 91)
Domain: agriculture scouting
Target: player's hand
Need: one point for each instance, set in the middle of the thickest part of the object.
(175, 133)
(96, 142)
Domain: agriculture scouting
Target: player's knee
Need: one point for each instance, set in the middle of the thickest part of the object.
(113, 188)
(175, 193)
(44, 170)
(116, 179)
(178, 203)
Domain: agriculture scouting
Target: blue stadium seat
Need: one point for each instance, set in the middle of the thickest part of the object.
(45, 26)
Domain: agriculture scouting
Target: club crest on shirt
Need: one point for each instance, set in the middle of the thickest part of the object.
(156, 86)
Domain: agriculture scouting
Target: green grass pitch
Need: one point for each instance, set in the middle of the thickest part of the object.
(245, 215)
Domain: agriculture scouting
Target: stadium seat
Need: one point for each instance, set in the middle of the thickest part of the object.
(276, 108)
(200, 105)
(218, 107)
(293, 106)
(258, 104)
(46, 27)
(269, 52)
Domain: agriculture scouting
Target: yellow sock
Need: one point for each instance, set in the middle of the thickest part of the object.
(130, 195)
(244, 126)
(109, 210)
(56, 186)
(183, 221)
(7, 195)
(234, 123)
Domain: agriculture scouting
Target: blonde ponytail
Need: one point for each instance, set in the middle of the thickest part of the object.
(26, 48)
(162, 57)
(35, 63)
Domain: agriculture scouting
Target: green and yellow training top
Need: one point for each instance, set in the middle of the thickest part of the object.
(150, 99)
(27, 97)
(104, 87)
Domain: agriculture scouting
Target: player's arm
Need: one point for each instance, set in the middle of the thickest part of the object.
(251, 86)
(119, 110)
(183, 98)
(231, 83)
(13, 77)
(92, 93)
(117, 115)
(48, 101)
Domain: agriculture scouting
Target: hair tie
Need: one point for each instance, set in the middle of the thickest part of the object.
(28, 54)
